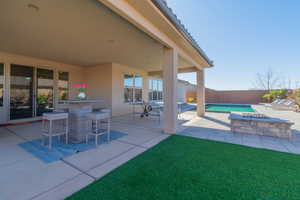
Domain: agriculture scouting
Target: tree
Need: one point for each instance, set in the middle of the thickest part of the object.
(267, 81)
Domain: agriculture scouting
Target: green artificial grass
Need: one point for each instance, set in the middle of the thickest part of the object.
(182, 168)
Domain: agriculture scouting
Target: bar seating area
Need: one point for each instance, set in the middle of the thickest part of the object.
(55, 124)
(77, 122)
(100, 125)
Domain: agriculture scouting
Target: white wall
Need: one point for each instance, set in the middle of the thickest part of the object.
(183, 87)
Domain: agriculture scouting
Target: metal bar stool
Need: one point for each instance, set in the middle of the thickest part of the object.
(50, 130)
(98, 118)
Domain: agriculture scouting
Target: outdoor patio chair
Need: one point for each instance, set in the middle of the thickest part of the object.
(54, 124)
(269, 105)
(100, 124)
(157, 109)
(285, 104)
(277, 101)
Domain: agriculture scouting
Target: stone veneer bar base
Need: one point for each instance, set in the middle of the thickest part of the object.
(261, 126)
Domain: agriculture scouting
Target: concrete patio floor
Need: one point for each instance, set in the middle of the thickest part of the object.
(25, 177)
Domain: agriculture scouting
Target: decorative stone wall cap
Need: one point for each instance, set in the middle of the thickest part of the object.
(235, 116)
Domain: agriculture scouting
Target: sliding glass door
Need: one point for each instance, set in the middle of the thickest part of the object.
(21, 92)
(31, 91)
(44, 97)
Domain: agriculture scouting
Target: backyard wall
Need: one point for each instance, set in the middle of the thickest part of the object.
(234, 96)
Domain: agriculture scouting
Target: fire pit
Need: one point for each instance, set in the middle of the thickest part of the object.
(260, 125)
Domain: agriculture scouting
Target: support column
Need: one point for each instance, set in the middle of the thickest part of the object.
(200, 93)
(170, 63)
(145, 88)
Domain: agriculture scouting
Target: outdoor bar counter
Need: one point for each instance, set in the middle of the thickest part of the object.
(78, 121)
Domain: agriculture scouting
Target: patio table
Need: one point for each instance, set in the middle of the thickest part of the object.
(79, 123)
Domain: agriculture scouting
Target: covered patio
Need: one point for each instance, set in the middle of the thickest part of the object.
(34, 178)
(47, 53)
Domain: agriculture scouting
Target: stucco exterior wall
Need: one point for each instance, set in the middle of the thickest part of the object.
(105, 82)
(75, 76)
(75, 72)
(119, 107)
(99, 80)
(234, 96)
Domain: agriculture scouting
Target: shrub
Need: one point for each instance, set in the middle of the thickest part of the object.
(275, 94)
(297, 96)
(191, 99)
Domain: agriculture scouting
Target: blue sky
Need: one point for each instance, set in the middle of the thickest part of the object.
(243, 37)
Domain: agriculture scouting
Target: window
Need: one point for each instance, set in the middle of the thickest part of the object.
(44, 91)
(155, 90)
(63, 85)
(1, 83)
(133, 88)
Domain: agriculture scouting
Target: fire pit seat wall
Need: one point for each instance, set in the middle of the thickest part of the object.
(261, 126)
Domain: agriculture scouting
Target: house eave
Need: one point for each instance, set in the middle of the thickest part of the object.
(168, 13)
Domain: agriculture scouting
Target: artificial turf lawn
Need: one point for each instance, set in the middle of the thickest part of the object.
(187, 168)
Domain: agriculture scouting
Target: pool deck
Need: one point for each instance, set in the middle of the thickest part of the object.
(25, 177)
(216, 126)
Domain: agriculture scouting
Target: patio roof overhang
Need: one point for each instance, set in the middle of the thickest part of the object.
(90, 32)
(159, 73)
(157, 20)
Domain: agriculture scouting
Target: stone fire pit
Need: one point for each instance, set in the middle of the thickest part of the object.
(260, 125)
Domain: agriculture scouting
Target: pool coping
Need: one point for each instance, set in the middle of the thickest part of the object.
(218, 111)
(232, 104)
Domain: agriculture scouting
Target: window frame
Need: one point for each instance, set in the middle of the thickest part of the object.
(38, 87)
(133, 88)
(58, 88)
(155, 90)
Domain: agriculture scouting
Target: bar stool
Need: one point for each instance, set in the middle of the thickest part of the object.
(99, 118)
(49, 129)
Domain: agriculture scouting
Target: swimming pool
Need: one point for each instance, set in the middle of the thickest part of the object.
(215, 107)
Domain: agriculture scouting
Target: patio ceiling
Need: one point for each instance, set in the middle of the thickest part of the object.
(80, 32)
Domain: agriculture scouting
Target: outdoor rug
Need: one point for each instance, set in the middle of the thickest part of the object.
(60, 150)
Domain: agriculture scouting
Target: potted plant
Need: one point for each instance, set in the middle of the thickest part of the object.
(81, 91)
